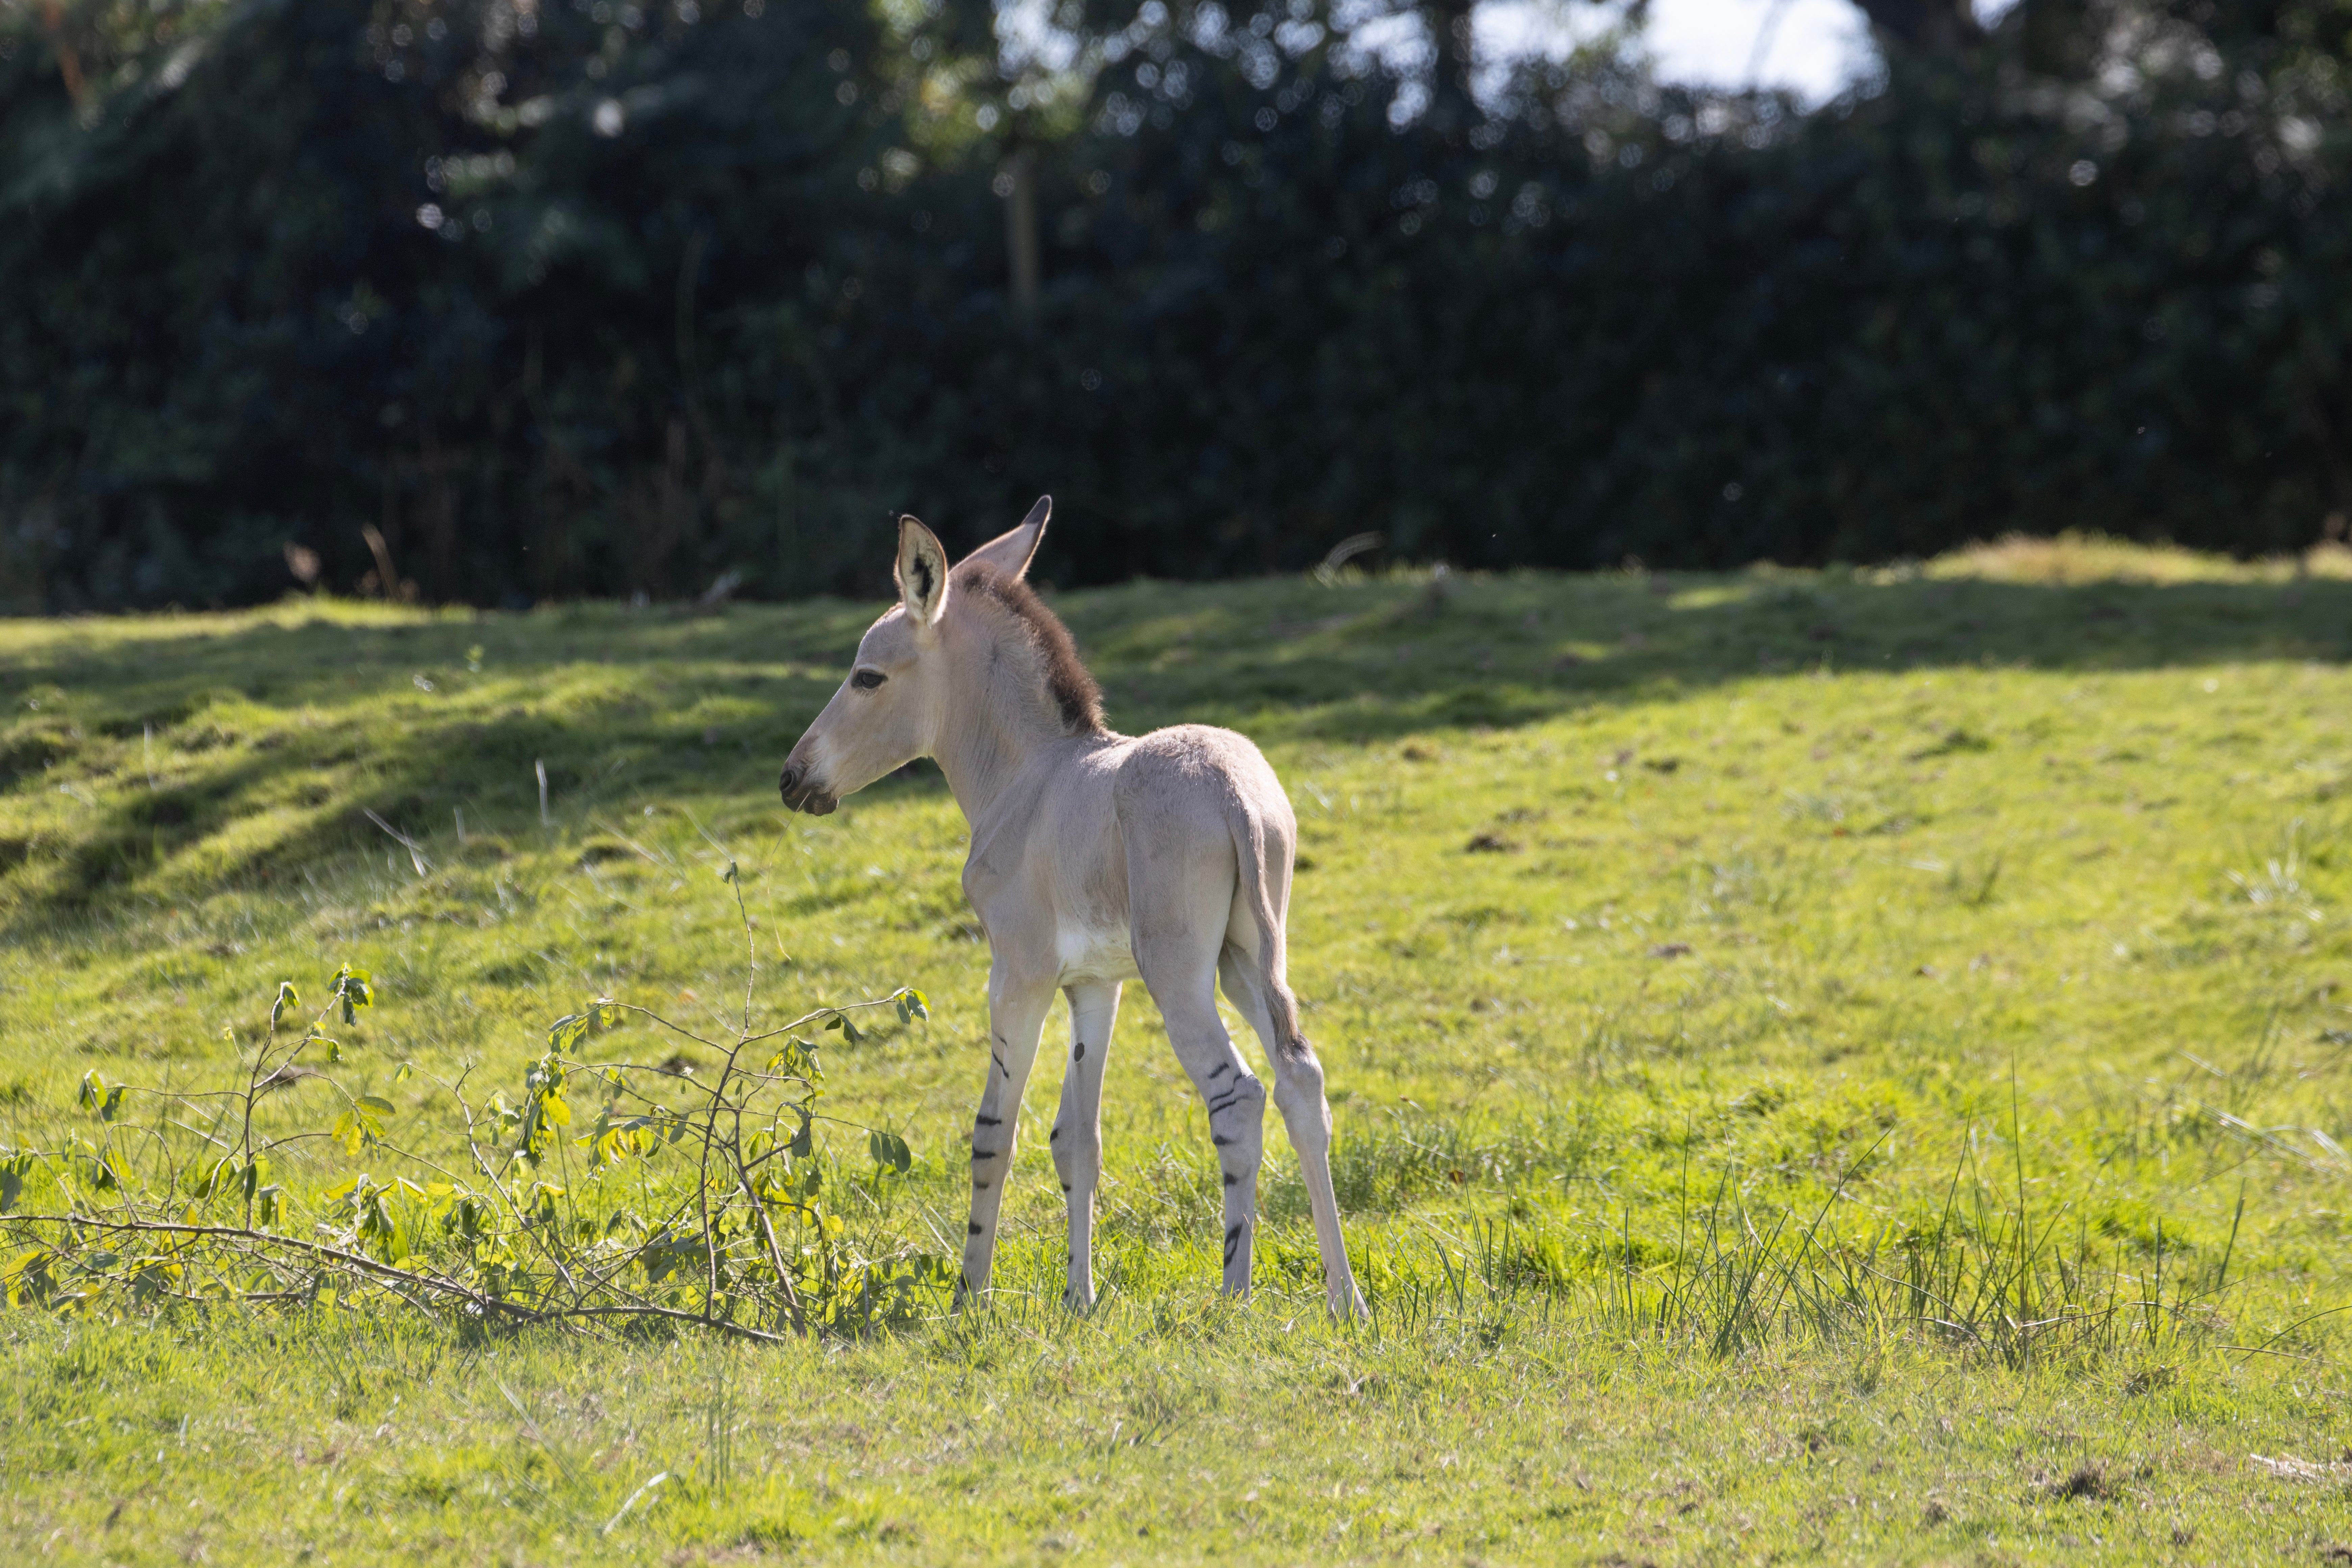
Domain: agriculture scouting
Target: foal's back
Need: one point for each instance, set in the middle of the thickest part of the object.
(1204, 802)
(1191, 814)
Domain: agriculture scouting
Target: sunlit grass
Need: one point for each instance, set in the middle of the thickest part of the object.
(1719, 977)
(2075, 559)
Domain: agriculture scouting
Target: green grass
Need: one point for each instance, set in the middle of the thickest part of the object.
(1850, 1067)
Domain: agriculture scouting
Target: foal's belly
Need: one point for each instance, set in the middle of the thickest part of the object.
(1092, 952)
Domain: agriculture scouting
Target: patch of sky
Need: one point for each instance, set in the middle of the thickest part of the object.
(1815, 50)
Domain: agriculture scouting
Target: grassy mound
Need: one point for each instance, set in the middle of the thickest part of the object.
(1855, 1064)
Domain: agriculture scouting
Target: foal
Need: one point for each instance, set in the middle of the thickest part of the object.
(1096, 858)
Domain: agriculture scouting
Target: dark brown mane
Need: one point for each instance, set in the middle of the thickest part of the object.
(1073, 687)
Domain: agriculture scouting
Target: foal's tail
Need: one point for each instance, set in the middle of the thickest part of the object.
(1250, 844)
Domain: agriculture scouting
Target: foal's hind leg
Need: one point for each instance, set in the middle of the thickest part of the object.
(1183, 982)
(1263, 998)
(1078, 1130)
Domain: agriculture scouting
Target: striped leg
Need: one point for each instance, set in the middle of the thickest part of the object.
(1237, 1103)
(1016, 1016)
(1078, 1130)
(1180, 898)
(1298, 1094)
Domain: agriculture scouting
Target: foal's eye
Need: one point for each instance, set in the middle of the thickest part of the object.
(867, 679)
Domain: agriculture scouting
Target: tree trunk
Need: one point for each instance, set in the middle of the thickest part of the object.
(1021, 230)
(1923, 26)
(1451, 109)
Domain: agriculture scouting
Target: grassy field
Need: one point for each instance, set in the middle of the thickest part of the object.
(1835, 1067)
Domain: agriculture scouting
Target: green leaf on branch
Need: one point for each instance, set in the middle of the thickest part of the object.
(543, 1106)
(30, 1277)
(573, 1028)
(362, 1124)
(353, 991)
(503, 1118)
(912, 1003)
(13, 1172)
(107, 1100)
(227, 1176)
(890, 1152)
(286, 998)
(612, 1140)
(468, 1217)
(539, 1204)
(797, 1059)
(373, 1221)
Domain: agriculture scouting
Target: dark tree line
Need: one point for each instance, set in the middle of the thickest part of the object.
(512, 300)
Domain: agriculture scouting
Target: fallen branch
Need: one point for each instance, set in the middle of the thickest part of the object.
(727, 1177)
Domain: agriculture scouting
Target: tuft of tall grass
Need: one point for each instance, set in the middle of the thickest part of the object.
(2000, 1272)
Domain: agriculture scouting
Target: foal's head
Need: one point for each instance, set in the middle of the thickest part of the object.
(890, 710)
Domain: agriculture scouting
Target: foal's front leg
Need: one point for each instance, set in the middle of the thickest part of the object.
(1078, 1130)
(1016, 1014)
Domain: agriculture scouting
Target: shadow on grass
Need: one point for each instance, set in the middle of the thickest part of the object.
(1279, 642)
(1384, 659)
(1285, 659)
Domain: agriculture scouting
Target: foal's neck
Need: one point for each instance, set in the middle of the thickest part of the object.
(998, 712)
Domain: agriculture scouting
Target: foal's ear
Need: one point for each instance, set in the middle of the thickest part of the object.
(1012, 552)
(922, 573)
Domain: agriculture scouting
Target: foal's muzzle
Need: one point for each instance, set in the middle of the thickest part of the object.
(801, 793)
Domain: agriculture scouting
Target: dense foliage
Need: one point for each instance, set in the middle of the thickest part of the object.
(563, 295)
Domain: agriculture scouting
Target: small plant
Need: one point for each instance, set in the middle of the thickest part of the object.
(685, 1200)
(1973, 885)
(2277, 888)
